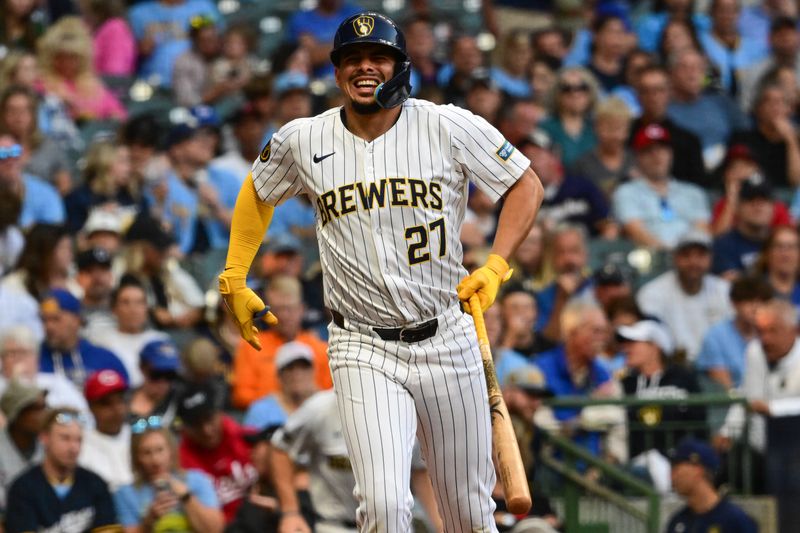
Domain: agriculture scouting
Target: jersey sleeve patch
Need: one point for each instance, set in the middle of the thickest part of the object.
(505, 151)
(266, 152)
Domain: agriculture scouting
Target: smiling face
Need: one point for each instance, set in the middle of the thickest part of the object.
(359, 72)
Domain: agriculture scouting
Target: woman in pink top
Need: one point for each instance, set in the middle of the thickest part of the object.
(65, 59)
(114, 45)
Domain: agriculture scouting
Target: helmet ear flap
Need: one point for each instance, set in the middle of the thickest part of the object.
(397, 90)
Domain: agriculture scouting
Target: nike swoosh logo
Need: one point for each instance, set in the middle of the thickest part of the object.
(317, 159)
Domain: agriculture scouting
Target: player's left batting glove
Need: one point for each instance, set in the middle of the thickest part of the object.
(245, 306)
(485, 282)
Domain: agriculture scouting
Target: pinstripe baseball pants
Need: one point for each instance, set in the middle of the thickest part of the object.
(388, 392)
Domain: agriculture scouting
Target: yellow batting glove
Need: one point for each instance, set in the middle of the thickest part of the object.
(244, 306)
(485, 282)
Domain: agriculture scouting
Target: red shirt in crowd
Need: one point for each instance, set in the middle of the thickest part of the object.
(228, 465)
(780, 213)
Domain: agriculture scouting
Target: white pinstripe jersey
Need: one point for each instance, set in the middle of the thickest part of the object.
(389, 212)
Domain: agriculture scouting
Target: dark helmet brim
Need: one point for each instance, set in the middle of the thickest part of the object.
(368, 27)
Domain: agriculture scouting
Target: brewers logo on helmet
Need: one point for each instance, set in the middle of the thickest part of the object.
(364, 25)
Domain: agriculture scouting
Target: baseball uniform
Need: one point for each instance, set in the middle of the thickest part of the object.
(388, 220)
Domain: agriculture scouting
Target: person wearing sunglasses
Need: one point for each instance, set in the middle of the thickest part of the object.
(106, 447)
(59, 495)
(40, 200)
(572, 103)
(159, 362)
(164, 497)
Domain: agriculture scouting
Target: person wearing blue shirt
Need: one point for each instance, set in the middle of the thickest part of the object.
(694, 465)
(722, 354)
(63, 351)
(727, 48)
(161, 28)
(572, 369)
(40, 200)
(315, 28)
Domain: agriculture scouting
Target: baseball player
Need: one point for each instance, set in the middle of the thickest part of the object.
(388, 177)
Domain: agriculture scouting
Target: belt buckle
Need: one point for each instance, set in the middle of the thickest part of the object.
(416, 333)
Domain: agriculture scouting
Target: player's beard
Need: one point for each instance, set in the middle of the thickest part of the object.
(366, 109)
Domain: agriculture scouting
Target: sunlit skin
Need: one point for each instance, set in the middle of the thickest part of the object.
(154, 456)
(361, 69)
(207, 433)
(130, 309)
(63, 446)
(691, 265)
(110, 413)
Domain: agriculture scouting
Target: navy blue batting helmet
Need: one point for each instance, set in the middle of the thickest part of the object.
(375, 28)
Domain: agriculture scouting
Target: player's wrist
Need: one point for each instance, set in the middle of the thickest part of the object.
(497, 264)
(231, 281)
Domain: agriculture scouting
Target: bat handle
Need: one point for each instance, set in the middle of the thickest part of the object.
(477, 316)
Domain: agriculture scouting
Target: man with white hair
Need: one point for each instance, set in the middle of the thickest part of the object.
(772, 387)
(19, 359)
(572, 369)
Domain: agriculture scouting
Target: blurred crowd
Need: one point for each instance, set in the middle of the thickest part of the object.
(664, 262)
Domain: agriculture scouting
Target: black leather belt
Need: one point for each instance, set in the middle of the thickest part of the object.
(418, 333)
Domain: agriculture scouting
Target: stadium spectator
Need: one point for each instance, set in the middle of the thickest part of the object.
(656, 210)
(694, 466)
(130, 331)
(712, 117)
(294, 362)
(483, 96)
(201, 365)
(12, 241)
(248, 132)
(24, 408)
(572, 103)
(65, 58)
(726, 47)
(21, 25)
(143, 135)
(40, 200)
(784, 44)
(779, 263)
(103, 229)
(569, 198)
(164, 495)
(518, 118)
(157, 395)
(740, 165)
(292, 100)
(191, 76)
(455, 77)
(173, 297)
(106, 448)
(650, 27)
(653, 92)
(752, 209)
(314, 28)
(254, 374)
(622, 311)
(550, 44)
(528, 260)
(421, 48)
(572, 369)
(650, 373)
(161, 28)
(214, 443)
(773, 139)
(58, 493)
(511, 76)
(113, 43)
(19, 360)
(516, 334)
(107, 184)
(610, 282)
(97, 281)
(610, 162)
(505, 359)
(609, 48)
(41, 156)
(687, 299)
(678, 34)
(64, 350)
(236, 63)
(722, 354)
(19, 67)
(569, 256)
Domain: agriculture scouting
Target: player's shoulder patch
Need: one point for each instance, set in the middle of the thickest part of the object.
(266, 152)
(505, 151)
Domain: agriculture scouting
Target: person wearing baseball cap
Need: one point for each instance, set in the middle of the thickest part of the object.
(107, 446)
(657, 209)
(694, 467)
(24, 407)
(97, 281)
(688, 299)
(64, 351)
(214, 443)
(648, 347)
(159, 362)
(294, 362)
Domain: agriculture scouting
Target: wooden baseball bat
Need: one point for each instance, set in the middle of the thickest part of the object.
(504, 441)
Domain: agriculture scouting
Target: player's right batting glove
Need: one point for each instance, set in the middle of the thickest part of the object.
(485, 282)
(245, 306)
